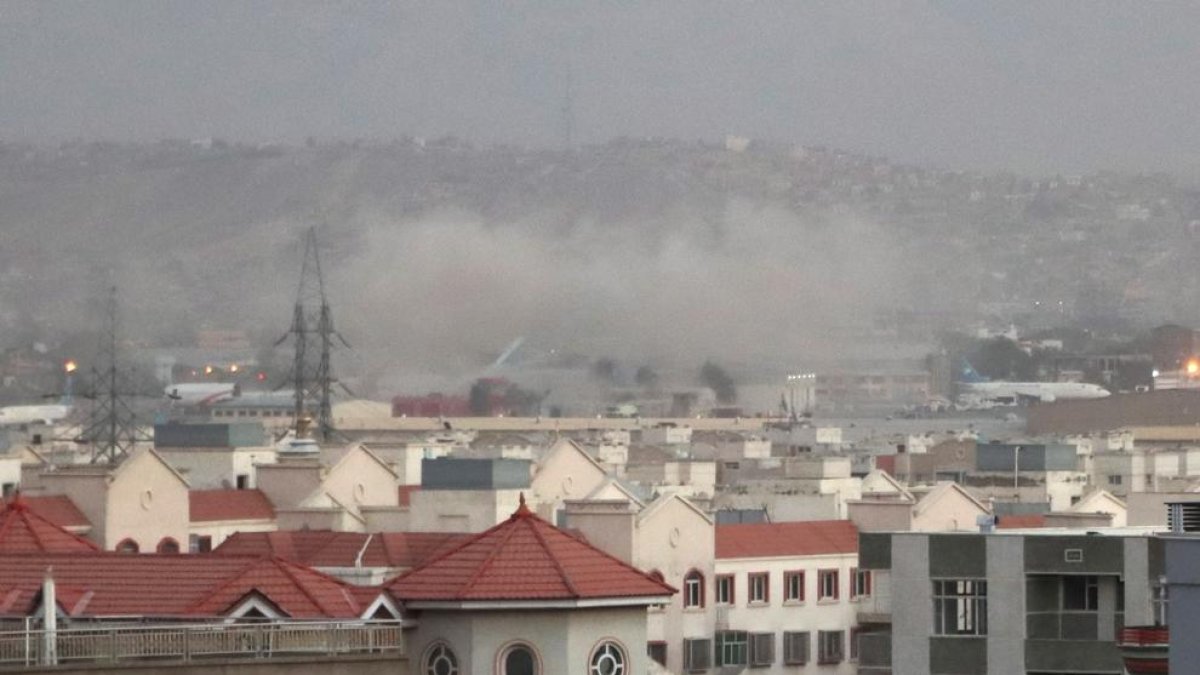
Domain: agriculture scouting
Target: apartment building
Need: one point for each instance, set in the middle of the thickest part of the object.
(1019, 601)
(786, 598)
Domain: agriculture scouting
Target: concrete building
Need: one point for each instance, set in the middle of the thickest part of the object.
(215, 456)
(524, 598)
(786, 597)
(1037, 601)
(946, 507)
(466, 495)
(140, 504)
(329, 491)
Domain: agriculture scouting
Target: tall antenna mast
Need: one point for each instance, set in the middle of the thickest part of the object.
(112, 430)
(312, 326)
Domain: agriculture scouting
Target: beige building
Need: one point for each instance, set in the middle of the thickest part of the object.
(947, 507)
(140, 504)
(329, 491)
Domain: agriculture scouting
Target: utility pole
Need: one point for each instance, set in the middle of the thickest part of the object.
(112, 430)
(312, 327)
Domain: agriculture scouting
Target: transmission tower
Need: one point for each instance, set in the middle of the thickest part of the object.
(312, 331)
(112, 430)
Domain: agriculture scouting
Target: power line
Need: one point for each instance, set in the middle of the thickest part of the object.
(112, 431)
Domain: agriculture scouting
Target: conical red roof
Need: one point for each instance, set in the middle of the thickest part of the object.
(525, 558)
(22, 530)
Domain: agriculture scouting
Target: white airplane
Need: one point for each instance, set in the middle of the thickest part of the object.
(977, 386)
(202, 393)
(50, 414)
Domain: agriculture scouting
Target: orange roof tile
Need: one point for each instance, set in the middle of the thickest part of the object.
(324, 548)
(24, 530)
(771, 540)
(58, 509)
(524, 558)
(101, 584)
(1020, 522)
(214, 505)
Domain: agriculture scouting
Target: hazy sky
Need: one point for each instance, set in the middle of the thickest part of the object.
(1040, 86)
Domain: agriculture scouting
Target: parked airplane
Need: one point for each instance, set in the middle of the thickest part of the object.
(202, 393)
(973, 384)
(17, 415)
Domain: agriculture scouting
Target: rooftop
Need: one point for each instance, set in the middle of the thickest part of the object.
(773, 540)
(24, 530)
(219, 505)
(324, 548)
(525, 558)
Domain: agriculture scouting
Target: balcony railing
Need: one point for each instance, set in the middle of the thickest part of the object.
(1145, 636)
(183, 643)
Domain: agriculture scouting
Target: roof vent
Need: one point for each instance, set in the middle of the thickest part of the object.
(1183, 516)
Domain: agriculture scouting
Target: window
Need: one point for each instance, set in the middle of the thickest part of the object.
(693, 589)
(762, 649)
(127, 546)
(697, 654)
(725, 594)
(1081, 593)
(242, 481)
(959, 607)
(760, 587)
(732, 646)
(860, 583)
(793, 586)
(7, 490)
(829, 646)
(827, 585)
(1159, 602)
(199, 544)
(168, 545)
(441, 661)
(854, 644)
(1114, 480)
(608, 659)
(657, 651)
(795, 648)
(519, 660)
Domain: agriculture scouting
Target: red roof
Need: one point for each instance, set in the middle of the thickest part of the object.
(58, 509)
(405, 494)
(24, 530)
(323, 548)
(770, 540)
(886, 463)
(298, 591)
(214, 505)
(103, 584)
(525, 558)
(1020, 522)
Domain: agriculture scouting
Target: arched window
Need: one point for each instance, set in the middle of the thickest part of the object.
(608, 659)
(519, 660)
(127, 546)
(440, 660)
(168, 545)
(693, 589)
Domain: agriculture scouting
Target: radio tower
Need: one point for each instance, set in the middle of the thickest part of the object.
(112, 430)
(312, 331)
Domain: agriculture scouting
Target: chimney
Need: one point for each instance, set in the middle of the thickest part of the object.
(50, 620)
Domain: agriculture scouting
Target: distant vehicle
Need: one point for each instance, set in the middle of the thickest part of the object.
(202, 393)
(18, 415)
(976, 386)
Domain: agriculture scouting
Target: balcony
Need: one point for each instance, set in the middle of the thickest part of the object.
(1145, 649)
(163, 644)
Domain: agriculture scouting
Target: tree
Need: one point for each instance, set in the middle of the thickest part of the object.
(714, 377)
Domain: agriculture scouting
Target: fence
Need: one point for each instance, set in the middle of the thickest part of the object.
(192, 642)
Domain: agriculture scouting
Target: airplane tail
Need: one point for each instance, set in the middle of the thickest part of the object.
(968, 375)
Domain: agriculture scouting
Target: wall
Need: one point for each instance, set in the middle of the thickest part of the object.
(912, 609)
(776, 616)
(460, 510)
(672, 538)
(147, 502)
(347, 665)
(359, 479)
(563, 639)
(880, 515)
(287, 483)
(88, 489)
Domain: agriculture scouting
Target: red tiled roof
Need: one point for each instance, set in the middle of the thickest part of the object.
(323, 548)
(298, 591)
(103, 584)
(886, 463)
(524, 558)
(213, 505)
(405, 494)
(1020, 522)
(58, 509)
(769, 540)
(24, 530)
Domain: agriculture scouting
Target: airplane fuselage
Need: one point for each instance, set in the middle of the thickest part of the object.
(1037, 391)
